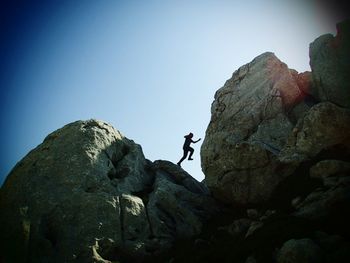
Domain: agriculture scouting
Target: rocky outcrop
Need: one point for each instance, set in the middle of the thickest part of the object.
(267, 121)
(87, 194)
(277, 149)
(330, 64)
(277, 152)
(325, 126)
(248, 129)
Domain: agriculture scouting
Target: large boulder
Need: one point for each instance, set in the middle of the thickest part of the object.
(330, 64)
(87, 194)
(249, 126)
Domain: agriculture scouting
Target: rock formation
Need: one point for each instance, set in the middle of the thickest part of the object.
(248, 129)
(276, 158)
(330, 65)
(278, 143)
(313, 133)
(266, 121)
(87, 193)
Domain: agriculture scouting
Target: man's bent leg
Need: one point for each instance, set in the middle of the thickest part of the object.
(191, 153)
(183, 157)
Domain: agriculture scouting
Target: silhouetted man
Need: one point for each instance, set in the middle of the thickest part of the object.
(187, 148)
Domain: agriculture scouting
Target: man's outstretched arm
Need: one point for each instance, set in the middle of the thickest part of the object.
(197, 140)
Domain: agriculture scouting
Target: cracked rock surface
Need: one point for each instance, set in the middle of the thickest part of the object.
(250, 124)
(87, 194)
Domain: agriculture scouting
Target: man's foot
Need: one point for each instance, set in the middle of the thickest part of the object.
(179, 164)
(190, 159)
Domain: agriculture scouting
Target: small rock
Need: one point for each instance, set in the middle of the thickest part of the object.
(300, 251)
(253, 227)
(253, 214)
(250, 259)
(296, 201)
(267, 215)
(239, 227)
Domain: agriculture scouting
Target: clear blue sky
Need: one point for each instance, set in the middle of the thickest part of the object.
(150, 68)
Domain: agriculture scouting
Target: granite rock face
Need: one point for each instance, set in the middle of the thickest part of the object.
(278, 147)
(330, 64)
(324, 126)
(268, 120)
(277, 151)
(248, 129)
(87, 194)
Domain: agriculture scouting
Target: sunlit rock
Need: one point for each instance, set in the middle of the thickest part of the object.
(249, 127)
